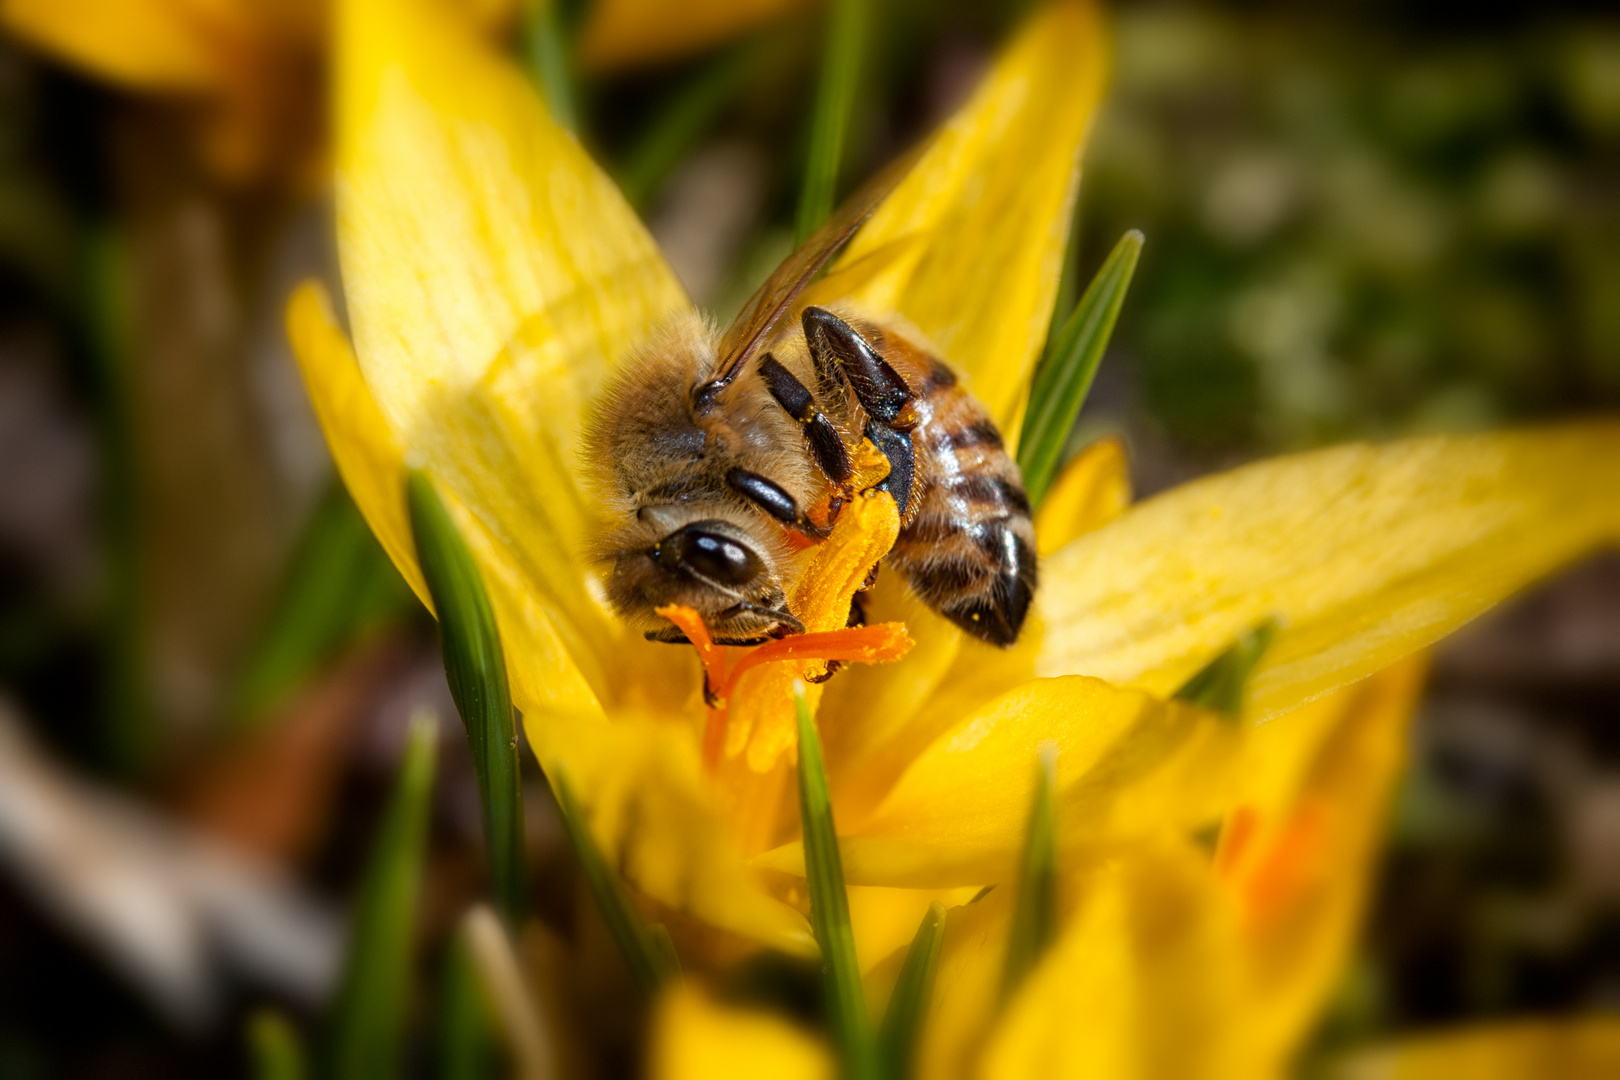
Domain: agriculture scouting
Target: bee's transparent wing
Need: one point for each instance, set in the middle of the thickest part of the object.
(752, 328)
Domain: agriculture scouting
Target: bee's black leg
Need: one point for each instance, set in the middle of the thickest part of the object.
(837, 346)
(772, 498)
(832, 457)
(896, 446)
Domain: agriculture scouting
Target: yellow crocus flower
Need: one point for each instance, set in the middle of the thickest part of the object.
(623, 33)
(494, 278)
(1175, 963)
(1191, 966)
(256, 67)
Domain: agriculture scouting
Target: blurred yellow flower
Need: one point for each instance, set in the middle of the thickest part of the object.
(1583, 1048)
(255, 68)
(622, 33)
(494, 277)
(695, 1037)
(1174, 964)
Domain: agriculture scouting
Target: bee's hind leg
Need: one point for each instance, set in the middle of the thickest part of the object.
(896, 446)
(836, 346)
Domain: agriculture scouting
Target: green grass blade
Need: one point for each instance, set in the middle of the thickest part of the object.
(274, 1048)
(647, 950)
(367, 1025)
(1220, 686)
(1065, 373)
(908, 1005)
(468, 1039)
(477, 673)
(130, 730)
(835, 101)
(1035, 916)
(338, 585)
(829, 907)
(679, 125)
(545, 53)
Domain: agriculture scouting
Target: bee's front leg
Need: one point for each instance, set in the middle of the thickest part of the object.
(775, 500)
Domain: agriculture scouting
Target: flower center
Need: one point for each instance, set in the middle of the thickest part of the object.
(749, 691)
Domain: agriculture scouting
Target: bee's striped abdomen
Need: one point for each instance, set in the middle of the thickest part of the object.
(968, 545)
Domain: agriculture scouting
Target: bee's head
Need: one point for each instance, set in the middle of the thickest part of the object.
(712, 565)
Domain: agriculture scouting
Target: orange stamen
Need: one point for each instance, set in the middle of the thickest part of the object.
(763, 709)
(1284, 868)
(857, 644)
(1235, 837)
(696, 630)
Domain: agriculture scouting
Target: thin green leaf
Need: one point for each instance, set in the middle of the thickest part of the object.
(835, 101)
(476, 668)
(545, 53)
(367, 1025)
(1220, 686)
(468, 1048)
(339, 585)
(908, 1005)
(1035, 915)
(1065, 373)
(276, 1051)
(672, 134)
(829, 907)
(105, 323)
(647, 950)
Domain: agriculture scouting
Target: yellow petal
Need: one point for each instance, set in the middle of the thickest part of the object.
(368, 456)
(970, 245)
(1580, 1048)
(658, 823)
(885, 920)
(625, 33)
(1093, 489)
(1127, 764)
(185, 45)
(1364, 553)
(696, 1039)
(1145, 981)
(371, 464)
(494, 277)
(868, 716)
(1314, 796)
(875, 721)
(966, 986)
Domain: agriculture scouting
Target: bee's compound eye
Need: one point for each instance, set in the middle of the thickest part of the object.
(710, 554)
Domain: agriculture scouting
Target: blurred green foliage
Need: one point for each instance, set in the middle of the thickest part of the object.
(338, 586)
(1361, 227)
(365, 1032)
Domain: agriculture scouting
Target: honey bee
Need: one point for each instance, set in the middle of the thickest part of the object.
(710, 448)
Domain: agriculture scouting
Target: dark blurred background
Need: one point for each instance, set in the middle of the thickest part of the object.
(1361, 221)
